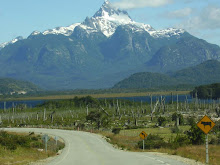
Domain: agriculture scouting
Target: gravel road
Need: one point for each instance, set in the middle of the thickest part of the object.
(82, 148)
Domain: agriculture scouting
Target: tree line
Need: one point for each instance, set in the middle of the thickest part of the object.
(211, 91)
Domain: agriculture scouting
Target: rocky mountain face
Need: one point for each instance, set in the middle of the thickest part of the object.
(187, 52)
(100, 51)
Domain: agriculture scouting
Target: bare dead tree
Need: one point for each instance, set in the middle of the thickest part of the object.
(51, 116)
(154, 109)
(104, 111)
(217, 110)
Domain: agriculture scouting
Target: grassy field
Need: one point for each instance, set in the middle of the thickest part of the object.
(104, 95)
(128, 139)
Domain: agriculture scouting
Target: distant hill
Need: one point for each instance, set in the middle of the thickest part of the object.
(12, 86)
(146, 80)
(205, 73)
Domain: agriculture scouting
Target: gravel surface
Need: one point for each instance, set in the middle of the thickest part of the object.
(82, 148)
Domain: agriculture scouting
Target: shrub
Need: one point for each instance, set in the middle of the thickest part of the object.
(196, 136)
(37, 144)
(180, 140)
(11, 141)
(215, 140)
(116, 130)
(174, 118)
(134, 127)
(216, 128)
(161, 121)
(191, 121)
(152, 142)
(175, 130)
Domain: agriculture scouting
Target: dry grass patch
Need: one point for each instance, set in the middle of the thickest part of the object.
(128, 140)
(195, 152)
(22, 156)
(104, 95)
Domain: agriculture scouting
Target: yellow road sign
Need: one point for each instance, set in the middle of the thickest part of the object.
(206, 124)
(143, 135)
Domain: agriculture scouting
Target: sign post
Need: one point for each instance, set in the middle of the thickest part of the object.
(206, 124)
(45, 138)
(143, 136)
(207, 149)
(56, 139)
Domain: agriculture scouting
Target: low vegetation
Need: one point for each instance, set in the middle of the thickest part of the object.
(171, 127)
(25, 148)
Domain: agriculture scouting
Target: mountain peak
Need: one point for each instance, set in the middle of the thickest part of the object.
(108, 9)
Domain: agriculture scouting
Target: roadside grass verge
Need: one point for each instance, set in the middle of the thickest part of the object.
(128, 140)
(22, 156)
(23, 148)
(195, 152)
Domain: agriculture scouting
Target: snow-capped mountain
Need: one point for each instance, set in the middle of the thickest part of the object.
(100, 51)
(106, 20)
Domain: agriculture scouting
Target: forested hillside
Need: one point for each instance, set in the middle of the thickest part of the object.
(12, 86)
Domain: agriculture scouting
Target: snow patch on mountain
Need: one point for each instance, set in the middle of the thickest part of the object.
(67, 31)
(11, 42)
(2, 45)
(167, 32)
(34, 33)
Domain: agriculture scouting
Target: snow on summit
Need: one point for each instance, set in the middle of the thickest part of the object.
(106, 20)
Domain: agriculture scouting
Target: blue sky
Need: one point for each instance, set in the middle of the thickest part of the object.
(21, 17)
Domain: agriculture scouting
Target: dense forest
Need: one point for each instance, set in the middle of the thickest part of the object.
(211, 91)
(202, 74)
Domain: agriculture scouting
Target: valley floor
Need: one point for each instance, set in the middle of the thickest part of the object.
(99, 95)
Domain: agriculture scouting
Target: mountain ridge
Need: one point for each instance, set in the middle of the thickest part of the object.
(205, 73)
(88, 56)
(114, 16)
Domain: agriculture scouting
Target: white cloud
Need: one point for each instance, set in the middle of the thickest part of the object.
(180, 13)
(208, 18)
(132, 4)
